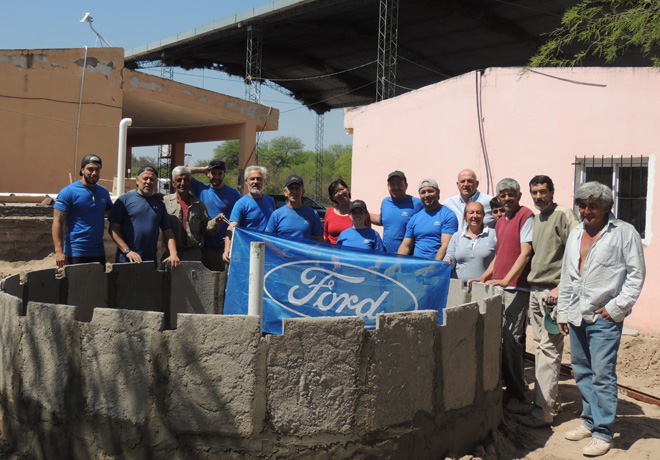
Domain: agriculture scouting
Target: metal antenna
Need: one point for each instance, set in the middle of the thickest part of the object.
(88, 18)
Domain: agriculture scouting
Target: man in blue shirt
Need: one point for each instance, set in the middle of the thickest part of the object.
(467, 184)
(83, 206)
(295, 219)
(219, 198)
(395, 211)
(252, 210)
(432, 228)
(135, 220)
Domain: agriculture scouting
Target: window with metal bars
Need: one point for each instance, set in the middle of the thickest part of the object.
(628, 178)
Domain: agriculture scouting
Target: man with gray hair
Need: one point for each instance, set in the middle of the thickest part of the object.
(509, 269)
(189, 218)
(602, 276)
(253, 209)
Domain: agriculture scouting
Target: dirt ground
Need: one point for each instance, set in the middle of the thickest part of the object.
(637, 424)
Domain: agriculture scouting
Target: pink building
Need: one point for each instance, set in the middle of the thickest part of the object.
(573, 125)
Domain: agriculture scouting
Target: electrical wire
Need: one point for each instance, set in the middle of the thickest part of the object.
(490, 187)
(82, 85)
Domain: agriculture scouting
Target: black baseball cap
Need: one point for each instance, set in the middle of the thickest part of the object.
(147, 168)
(217, 164)
(357, 204)
(87, 159)
(294, 180)
(397, 173)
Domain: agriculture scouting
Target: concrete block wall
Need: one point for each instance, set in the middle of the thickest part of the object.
(125, 384)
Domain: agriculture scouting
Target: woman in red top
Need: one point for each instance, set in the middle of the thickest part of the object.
(337, 218)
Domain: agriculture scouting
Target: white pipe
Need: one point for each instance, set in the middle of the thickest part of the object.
(121, 154)
(256, 286)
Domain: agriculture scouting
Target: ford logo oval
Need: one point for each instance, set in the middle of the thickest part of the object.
(321, 288)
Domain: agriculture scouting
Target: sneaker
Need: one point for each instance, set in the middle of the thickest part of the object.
(596, 447)
(578, 433)
(532, 422)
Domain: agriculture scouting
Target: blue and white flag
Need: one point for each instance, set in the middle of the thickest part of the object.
(310, 279)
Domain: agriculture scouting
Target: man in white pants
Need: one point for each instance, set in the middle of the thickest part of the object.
(551, 229)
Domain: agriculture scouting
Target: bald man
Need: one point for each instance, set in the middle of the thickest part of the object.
(467, 184)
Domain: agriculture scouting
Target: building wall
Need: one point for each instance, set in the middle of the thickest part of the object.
(39, 129)
(84, 374)
(533, 123)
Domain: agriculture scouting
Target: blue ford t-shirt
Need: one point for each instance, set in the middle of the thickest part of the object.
(394, 215)
(427, 228)
(217, 201)
(364, 238)
(85, 209)
(139, 218)
(303, 222)
(252, 212)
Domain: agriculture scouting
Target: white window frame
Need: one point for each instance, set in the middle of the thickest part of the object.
(616, 162)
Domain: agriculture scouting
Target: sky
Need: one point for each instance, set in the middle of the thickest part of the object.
(29, 24)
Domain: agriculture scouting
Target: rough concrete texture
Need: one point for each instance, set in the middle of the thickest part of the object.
(10, 309)
(457, 295)
(116, 362)
(492, 342)
(12, 286)
(87, 288)
(459, 356)
(312, 374)
(212, 367)
(213, 388)
(193, 289)
(136, 287)
(405, 384)
(46, 353)
(43, 286)
(480, 291)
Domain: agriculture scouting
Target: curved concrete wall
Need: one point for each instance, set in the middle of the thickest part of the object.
(88, 381)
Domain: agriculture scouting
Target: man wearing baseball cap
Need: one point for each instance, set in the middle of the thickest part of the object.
(295, 220)
(135, 221)
(395, 211)
(219, 198)
(82, 206)
(431, 229)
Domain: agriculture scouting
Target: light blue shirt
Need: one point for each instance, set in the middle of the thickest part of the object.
(457, 206)
(471, 257)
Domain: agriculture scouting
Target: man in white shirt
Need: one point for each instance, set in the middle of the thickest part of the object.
(467, 184)
(602, 276)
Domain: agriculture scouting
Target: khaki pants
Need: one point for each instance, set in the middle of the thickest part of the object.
(549, 349)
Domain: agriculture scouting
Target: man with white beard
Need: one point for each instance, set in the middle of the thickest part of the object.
(252, 210)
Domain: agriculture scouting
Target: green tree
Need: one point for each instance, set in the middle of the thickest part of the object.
(138, 161)
(228, 152)
(604, 29)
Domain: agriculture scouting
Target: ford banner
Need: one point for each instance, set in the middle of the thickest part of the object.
(310, 279)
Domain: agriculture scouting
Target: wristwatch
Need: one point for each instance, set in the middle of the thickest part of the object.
(126, 251)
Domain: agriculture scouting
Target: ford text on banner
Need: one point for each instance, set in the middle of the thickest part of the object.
(308, 279)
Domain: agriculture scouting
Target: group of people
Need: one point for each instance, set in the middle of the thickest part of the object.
(564, 277)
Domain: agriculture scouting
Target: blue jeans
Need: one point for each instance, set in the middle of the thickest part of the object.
(594, 348)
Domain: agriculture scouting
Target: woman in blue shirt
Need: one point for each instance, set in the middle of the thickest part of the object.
(360, 235)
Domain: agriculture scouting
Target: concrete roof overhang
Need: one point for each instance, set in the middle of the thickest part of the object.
(323, 52)
(167, 112)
